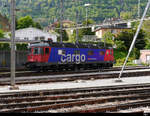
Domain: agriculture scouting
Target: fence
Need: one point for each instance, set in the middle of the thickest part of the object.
(21, 57)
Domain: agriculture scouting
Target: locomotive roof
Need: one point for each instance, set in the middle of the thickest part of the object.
(39, 45)
(68, 45)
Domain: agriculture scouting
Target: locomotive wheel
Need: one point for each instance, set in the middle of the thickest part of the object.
(44, 69)
(38, 70)
(85, 67)
(76, 68)
(54, 70)
(60, 68)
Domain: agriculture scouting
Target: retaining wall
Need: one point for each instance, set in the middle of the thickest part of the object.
(21, 57)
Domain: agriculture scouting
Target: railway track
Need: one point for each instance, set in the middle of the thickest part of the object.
(74, 77)
(24, 72)
(78, 100)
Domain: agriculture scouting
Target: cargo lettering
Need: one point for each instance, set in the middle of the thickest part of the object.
(73, 58)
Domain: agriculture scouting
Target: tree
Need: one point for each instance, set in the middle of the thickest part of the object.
(127, 38)
(82, 32)
(64, 33)
(4, 46)
(73, 36)
(126, 15)
(109, 38)
(124, 40)
(1, 33)
(98, 11)
(37, 25)
(146, 28)
(87, 31)
(22, 46)
(27, 21)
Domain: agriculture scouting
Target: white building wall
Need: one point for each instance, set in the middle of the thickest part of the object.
(33, 33)
(99, 34)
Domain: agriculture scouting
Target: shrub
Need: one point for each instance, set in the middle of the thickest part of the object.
(1, 33)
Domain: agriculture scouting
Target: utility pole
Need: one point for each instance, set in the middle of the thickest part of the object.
(139, 2)
(61, 20)
(87, 5)
(13, 8)
(134, 40)
(86, 15)
(77, 33)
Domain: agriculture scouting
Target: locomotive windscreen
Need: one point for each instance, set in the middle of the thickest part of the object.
(37, 50)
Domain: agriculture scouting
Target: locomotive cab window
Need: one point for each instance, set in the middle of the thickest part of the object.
(36, 51)
(41, 51)
(46, 50)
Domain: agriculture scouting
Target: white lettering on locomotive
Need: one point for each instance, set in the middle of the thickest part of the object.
(73, 58)
(63, 59)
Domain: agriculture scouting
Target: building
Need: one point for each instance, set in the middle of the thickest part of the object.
(66, 23)
(145, 56)
(53, 26)
(34, 34)
(4, 24)
(113, 29)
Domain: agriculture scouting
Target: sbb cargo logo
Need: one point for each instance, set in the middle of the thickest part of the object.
(73, 58)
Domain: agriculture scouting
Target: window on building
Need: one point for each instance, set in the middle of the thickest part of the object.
(26, 38)
(113, 31)
(42, 38)
(36, 38)
(18, 38)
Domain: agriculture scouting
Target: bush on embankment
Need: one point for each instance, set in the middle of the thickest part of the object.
(121, 55)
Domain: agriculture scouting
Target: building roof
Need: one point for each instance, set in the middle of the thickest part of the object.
(112, 27)
(17, 40)
(144, 50)
(31, 28)
(57, 22)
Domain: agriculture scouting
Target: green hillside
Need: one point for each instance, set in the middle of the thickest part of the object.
(47, 11)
